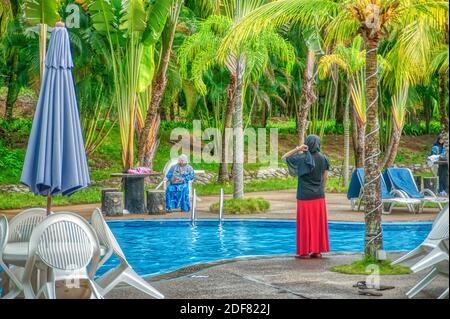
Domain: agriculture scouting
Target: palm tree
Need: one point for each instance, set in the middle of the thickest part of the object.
(149, 130)
(198, 55)
(130, 33)
(16, 53)
(352, 61)
(439, 65)
(41, 14)
(343, 20)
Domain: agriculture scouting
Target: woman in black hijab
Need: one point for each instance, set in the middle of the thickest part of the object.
(311, 167)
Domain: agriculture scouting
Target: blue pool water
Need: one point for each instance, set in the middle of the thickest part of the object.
(156, 247)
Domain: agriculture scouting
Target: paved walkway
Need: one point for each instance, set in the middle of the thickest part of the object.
(282, 277)
(283, 206)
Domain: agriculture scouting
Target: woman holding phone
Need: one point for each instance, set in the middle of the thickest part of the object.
(311, 167)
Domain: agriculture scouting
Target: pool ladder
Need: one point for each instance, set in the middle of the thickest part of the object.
(194, 205)
(221, 206)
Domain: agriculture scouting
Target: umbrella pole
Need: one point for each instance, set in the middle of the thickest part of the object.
(49, 203)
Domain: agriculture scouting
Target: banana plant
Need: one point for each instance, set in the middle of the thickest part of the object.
(131, 29)
(41, 14)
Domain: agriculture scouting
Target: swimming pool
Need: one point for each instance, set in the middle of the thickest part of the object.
(159, 246)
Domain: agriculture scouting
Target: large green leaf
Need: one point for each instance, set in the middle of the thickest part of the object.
(133, 15)
(41, 12)
(147, 68)
(102, 15)
(156, 20)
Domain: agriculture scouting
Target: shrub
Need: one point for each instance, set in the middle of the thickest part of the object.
(242, 206)
(11, 162)
(15, 132)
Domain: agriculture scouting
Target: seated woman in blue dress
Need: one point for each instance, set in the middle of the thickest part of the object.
(177, 193)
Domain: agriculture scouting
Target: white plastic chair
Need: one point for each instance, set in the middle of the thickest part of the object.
(164, 182)
(438, 260)
(123, 273)
(16, 248)
(22, 225)
(438, 234)
(63, 245)
(434, 252)
(7, 274)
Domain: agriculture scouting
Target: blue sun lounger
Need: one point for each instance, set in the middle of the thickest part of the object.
(402, 180)
(389, 198)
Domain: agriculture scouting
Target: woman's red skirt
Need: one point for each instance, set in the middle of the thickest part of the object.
(312, 227)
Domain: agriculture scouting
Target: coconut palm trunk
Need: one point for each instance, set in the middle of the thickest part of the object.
(373, 206)
(308, 96)
(224, 176)
(346, 121)
(391, 152)
(238, 154)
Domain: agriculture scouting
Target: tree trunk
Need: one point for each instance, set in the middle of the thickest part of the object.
(172, 109)
(264, 114)
(224, 176)
(238, 154)
(346, 120)
(308, 96)
(372, 198)
(443, 112)
(391, 152)
(158, 89)
(428, 111)
(360, 147)
(163, 112)
(42, 48)
(11, 98)
(354, 133)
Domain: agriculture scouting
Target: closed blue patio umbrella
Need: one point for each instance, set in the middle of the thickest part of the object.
(55, 162)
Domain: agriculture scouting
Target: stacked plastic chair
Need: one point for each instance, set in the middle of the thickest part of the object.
(434, 255)
(123, 273)
(15, 248)
(63, 245)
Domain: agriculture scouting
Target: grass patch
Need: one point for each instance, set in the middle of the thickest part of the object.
(24, 200)
(242, 206)
(361, 267)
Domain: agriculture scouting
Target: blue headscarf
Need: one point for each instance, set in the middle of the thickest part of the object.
(307, 163)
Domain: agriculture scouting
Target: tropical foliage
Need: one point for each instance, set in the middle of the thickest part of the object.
(372, 70)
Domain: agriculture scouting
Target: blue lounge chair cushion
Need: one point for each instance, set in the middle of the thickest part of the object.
(357, 182)
(401, 179)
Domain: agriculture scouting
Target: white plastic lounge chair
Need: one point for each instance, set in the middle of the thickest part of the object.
(390, 199)
(438, 234)
(437, 259)
(123, 273)
(63, 245)
(434, 253)
(16, 249)
(402, 180)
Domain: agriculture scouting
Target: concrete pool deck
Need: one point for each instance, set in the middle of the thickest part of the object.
(279, 277)
(283, 206)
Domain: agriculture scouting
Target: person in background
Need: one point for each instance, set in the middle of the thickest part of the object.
(439, 149)
(177, 193)
(311, 167)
